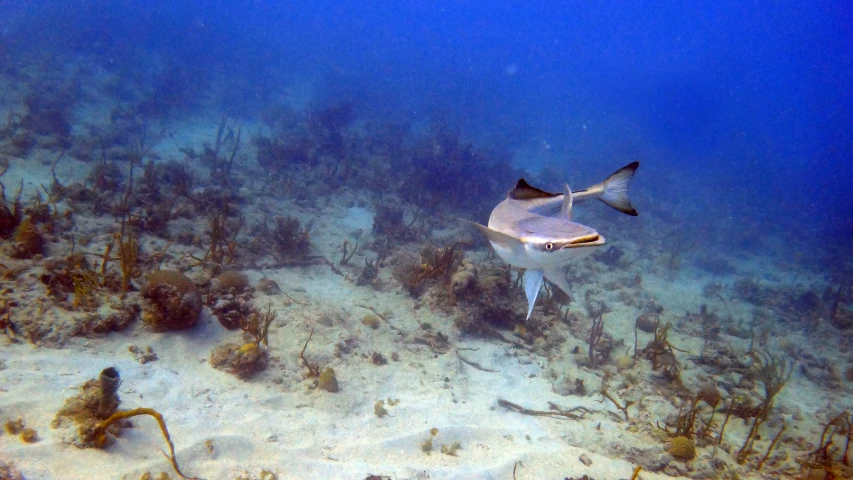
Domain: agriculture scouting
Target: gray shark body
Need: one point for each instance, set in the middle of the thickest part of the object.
(533, 229)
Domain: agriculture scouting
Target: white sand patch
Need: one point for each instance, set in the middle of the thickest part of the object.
(358, 218)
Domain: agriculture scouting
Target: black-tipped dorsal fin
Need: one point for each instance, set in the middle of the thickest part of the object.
(523, 191)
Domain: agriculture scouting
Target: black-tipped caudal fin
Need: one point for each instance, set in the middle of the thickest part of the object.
(614, 190)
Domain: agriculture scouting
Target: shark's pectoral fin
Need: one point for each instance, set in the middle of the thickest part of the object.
(500, 239)
(533, 280)
(557, 276)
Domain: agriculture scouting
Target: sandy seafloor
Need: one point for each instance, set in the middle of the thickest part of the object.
(278, 422)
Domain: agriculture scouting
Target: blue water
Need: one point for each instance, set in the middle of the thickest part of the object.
(744, 100)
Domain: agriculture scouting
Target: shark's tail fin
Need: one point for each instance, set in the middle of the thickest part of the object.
(614, 190)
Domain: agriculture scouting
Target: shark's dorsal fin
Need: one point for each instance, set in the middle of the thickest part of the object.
(523, 191)
(566, 210)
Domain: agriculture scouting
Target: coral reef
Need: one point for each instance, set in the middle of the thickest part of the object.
(464, 277)
(388, 222)
(143, 355)
(445, 169)
(231, 307)
(287, 241)
(709, 394)
(647, 322)
(826, 462)
(97, 401)
(257, 325)
(26, 434)
(598, 350)
(328, 381)
(118, 208)
(435, 264)
(27, 240)
(268, 286)
(174, 301)
(279, 153)
(682, 448)
(244, 360)
(371, 320)
(8, 471)
(662, 353)
(72, 275)
(491, 301)
(9, 219)
(773, 372)
(230, 281)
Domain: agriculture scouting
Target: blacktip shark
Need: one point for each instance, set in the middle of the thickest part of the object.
(533, 229)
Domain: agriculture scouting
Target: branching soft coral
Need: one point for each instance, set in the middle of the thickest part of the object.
(435, 263)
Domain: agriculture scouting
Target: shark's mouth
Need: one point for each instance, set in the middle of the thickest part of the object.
(591, 240)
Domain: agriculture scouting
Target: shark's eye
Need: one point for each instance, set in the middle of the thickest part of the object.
(549, 246)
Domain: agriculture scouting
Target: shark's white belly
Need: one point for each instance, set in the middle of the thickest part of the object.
(515, 258)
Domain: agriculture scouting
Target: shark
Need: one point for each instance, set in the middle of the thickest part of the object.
(533, 229)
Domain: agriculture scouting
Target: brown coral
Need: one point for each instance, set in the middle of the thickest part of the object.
(8, 471)
(647, 323)
(243, 361)
(682, 448)
(328, 381)
(174, 299)
(709, 394)
(231, 310)
(8, 220)
(435, 264)
(28, 242)
(230, 280)
(268, 286)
